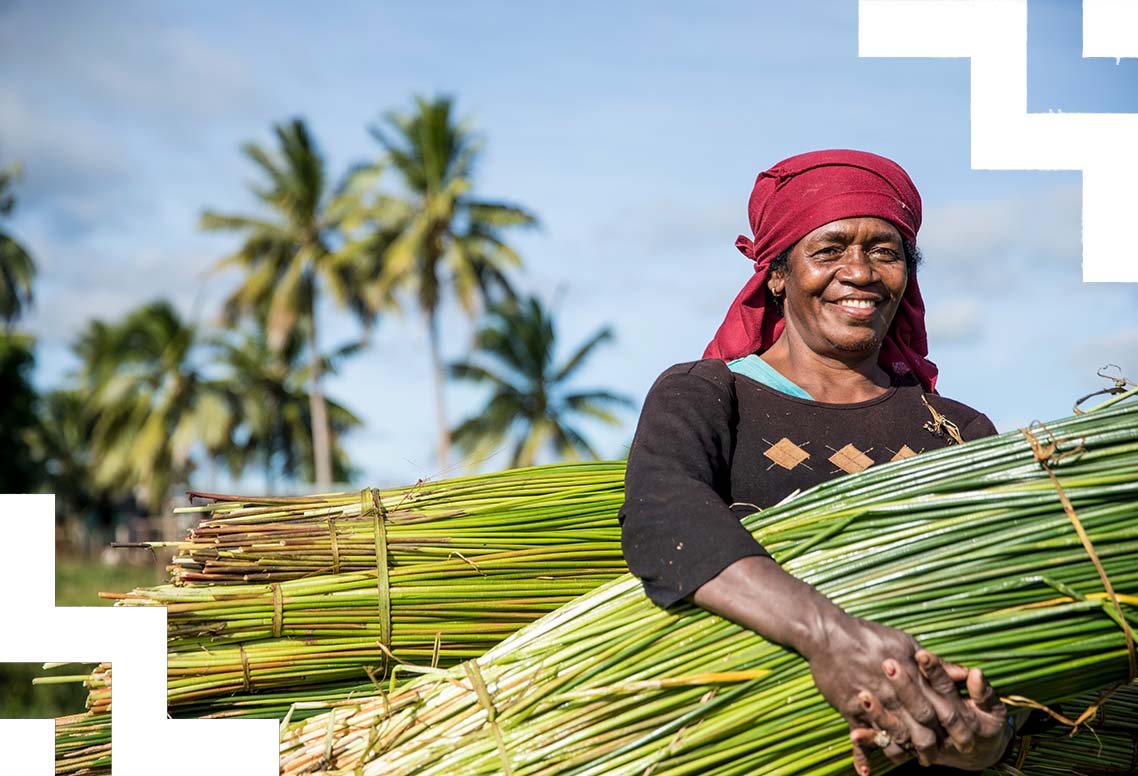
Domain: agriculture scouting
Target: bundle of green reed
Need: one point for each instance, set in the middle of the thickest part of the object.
(508, 523)
(970, 549)
(279, 600)
(83, 745)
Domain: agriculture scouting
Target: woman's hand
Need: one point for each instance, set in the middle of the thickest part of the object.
(877, 677)
(976, 727)
(870, 674)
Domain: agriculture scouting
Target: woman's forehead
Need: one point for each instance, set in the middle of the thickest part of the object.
(863, 228)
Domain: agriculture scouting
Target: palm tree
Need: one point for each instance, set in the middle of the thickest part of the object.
(85, 510)
(23, 468)
(17, 269)
(266, 390)
(289, 259)
(530, 404)
(149, 403)
(438, 237)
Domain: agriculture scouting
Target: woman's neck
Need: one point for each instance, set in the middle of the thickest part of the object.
(831, 380)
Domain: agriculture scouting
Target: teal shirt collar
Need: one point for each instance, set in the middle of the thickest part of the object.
(755, 368)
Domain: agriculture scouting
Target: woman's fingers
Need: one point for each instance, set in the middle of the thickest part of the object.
(952, 711)
(983, 695)
(881, 718)
(941, 675)
(862, 740)
(956, 672)
(980, 692)
(911, 695)
(919, 741)
(912, 705)
(900, 737)
(865, 740)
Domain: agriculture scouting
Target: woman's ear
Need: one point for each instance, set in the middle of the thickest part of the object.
(777, 284)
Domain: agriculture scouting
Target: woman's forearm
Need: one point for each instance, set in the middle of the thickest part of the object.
(758, 594)
(877, 677)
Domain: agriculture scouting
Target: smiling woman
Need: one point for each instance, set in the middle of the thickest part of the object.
(840, 288)
(819, 369)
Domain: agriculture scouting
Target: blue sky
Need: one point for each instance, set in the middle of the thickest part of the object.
(633, 130)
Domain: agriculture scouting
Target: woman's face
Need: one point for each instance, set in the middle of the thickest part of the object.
(842, 285)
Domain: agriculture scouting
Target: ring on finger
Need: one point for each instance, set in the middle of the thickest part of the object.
(882, 740)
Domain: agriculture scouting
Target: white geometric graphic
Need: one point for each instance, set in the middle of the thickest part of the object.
(145, 742)
(993, 33)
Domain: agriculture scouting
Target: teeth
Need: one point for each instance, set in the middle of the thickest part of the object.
(859, 303)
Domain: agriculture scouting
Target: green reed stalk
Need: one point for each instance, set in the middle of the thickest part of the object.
(968, 549)
(279, 600)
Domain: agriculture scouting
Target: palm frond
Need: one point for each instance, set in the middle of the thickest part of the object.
(577, 359)
(470, 372)
(17, 276)
(514, 352)
(499, 214)
(219, 222)
(285, 309)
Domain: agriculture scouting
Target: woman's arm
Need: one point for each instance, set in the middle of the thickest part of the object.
(677, 529)
(875, 676)
(680, 537)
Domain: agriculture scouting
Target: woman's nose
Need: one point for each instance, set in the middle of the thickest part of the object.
(856, 268)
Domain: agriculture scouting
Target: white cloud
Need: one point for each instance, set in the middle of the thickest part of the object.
(138, 63)
(106, 111)
(175, 74)
(107, 288)
(1000, 237)
(62, 157)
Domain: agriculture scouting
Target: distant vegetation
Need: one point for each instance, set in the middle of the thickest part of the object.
(155, 398)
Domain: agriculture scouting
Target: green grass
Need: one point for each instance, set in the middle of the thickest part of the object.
(79, 581)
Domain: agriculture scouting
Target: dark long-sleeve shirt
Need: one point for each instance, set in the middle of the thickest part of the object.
(712, 446)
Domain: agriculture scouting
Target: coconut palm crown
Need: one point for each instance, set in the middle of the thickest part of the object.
(437, 237)
(289, 260)
(149, 401)
(17, 268)
(531, 408)
(266, 392)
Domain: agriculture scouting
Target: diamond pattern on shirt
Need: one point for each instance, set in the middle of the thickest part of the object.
(904, 452)
(849, 459)
(786, 454)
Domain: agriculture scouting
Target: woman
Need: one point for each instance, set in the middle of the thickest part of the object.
(819, 369)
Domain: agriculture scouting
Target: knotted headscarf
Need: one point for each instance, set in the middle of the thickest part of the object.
(794, 198)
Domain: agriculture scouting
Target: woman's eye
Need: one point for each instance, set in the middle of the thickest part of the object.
(888, 254)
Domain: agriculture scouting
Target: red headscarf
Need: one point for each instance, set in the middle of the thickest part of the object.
(794, 198)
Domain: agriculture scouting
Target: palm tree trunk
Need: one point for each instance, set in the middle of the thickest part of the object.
(440, 404)
(321, 445)
(318, 408)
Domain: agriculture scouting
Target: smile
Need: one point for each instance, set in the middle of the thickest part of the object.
(867, 303)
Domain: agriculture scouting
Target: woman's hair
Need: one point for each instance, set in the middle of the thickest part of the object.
(913, 259)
